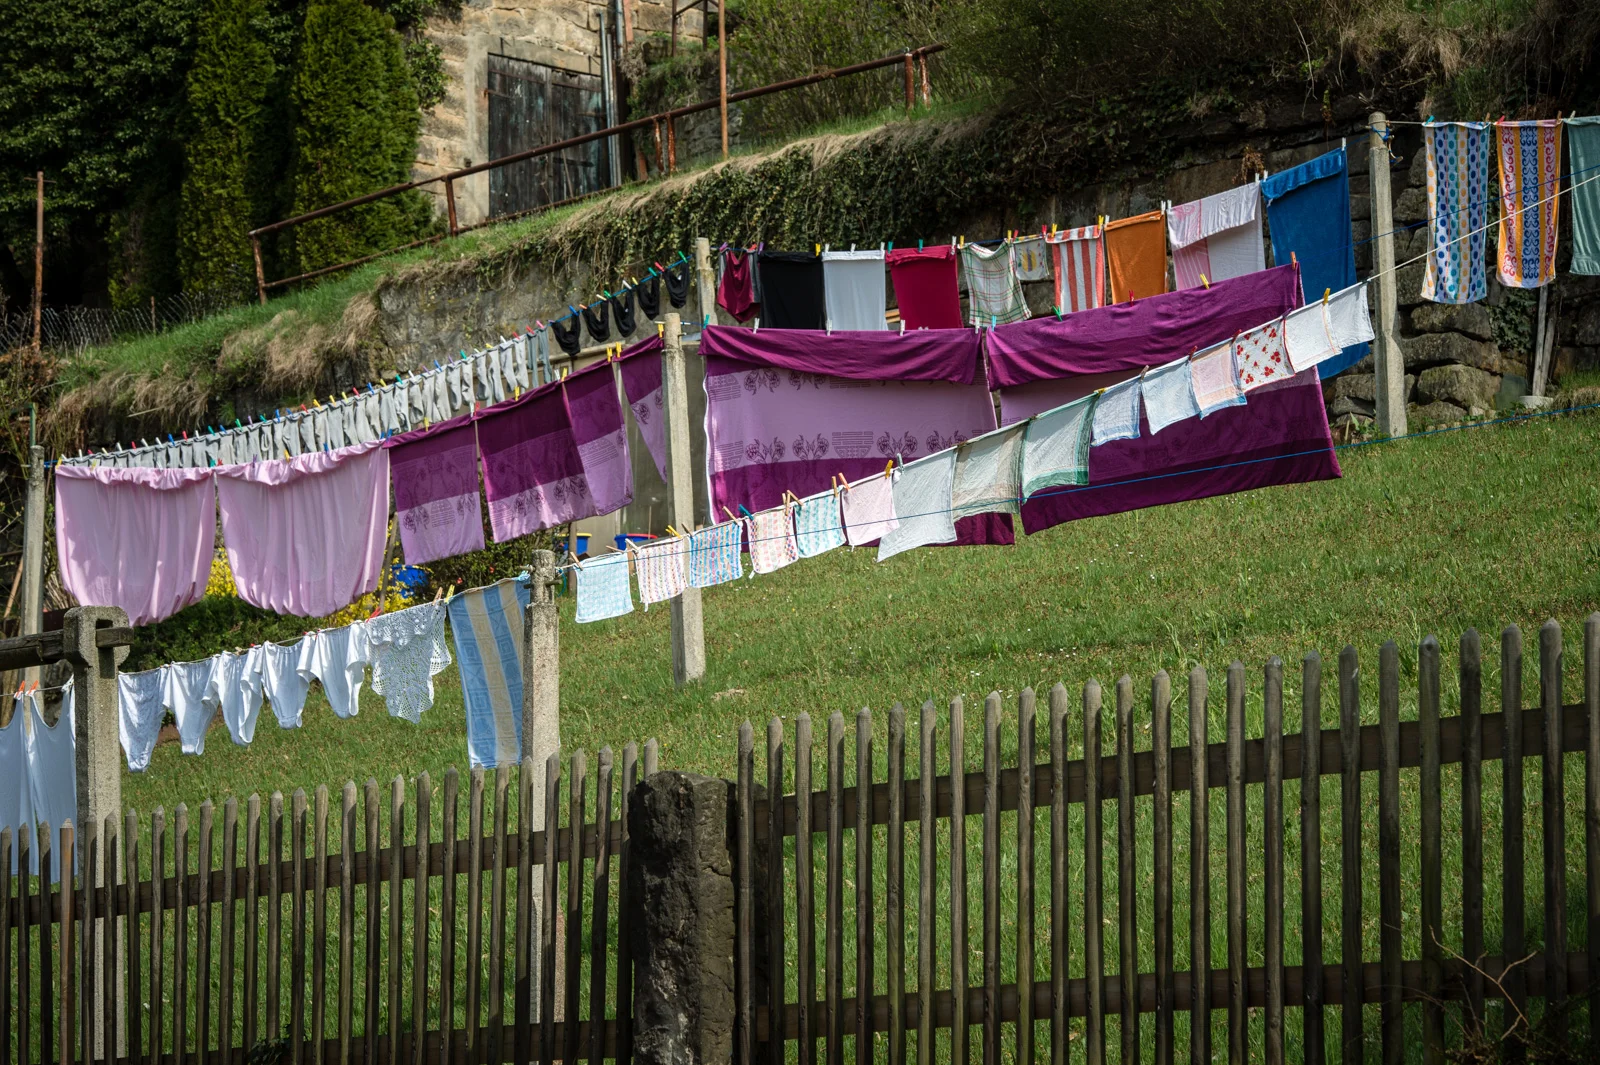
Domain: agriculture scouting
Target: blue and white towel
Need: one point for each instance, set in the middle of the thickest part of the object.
(817, 527)
(486, 624)
(1116, 415)
(1169, 396)
(603, 588)
(716, 554)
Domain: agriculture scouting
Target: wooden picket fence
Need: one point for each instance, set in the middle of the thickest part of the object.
(919, 999)
(321, 949)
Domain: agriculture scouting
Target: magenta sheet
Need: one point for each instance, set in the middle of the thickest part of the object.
(437, 502)
(1147, 332)
(641, 384)
(532, 475)
(595, 412)
(141, 539)
(875, 355)
(1279, 437)
(773, 430)
(305, 535)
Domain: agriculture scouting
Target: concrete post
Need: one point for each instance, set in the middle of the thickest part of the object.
(33, 556)
(1388, 361)
(541, 675)
(680, 892)
(94, 709)
(705, 281)
(688, 621)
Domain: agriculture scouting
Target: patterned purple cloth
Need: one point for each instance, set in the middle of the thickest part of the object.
(532, 474)
(1146, 332)
(595, 413)
(437, 502)
(774, 429)
(641, 383)
(876, 355)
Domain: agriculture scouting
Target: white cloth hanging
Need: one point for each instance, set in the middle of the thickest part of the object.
(282, 682)
(338, 658)
(184, 690)
(235, 690)
(140, 706)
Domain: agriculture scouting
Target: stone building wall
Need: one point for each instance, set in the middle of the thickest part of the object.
(564, 34)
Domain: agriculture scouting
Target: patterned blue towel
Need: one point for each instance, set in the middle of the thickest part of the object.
(603, 589)
(487, 626)
(714, 554)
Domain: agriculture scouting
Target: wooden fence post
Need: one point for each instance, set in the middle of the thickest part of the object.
(541, 673)
(1388, 361)
(688, 621)
(33, 553)
(94, 682)
(705, 281)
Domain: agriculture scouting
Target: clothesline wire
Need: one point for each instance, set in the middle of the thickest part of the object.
(1067, 490)
(1274, 458)
(682, 257)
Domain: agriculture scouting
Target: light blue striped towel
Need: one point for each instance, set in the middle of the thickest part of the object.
(487, 626)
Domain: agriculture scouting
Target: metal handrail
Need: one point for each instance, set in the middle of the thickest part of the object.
(669, 118)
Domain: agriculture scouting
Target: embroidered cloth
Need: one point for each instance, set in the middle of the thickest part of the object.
(408, 651)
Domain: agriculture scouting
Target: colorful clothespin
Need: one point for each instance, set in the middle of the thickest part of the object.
(731, 515)
(745, 512)
(1325, 294)
(1204, 280)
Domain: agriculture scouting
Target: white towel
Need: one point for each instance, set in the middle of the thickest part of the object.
(1349, 319)
(1216, 380)
(854, 289)
(1055, 446)
(1169, 395)
(1116, 415)
(988, 475)
(922, 498)
(1307, 338)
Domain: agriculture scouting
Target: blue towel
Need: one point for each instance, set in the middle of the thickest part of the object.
(487, 626)
(1308, 210)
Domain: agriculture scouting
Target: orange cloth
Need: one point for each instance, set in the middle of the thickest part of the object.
(1136, 251)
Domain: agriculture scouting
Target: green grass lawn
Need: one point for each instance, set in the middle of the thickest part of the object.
(1481, 527)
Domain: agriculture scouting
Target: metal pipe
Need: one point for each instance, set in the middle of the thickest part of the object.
(722, 69)
(450, 205)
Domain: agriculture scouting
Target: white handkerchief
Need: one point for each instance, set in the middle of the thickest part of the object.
(1349, 319)
(1055, 447)
(868, 510)
(989, 473)
(1169, 395)
(922, 492)
(1216, 381)
(1116, 415)
(1307, 337)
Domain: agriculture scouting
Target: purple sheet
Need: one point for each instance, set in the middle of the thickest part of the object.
(774, 429)
(595, 413)
(877, 355)
(1279, 437)
(641, 383)
(532, 475)
(437, 502)
(1147, 332)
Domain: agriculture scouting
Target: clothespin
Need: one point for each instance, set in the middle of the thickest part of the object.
(1293, 259)
(1325, 294)
(672, 531)
(963, 242)
(919, 245)
(1204, 280)
(902, 327)
(731, 515)
(1058, 314)
(888, 467)
(819, 249)
(745, 512)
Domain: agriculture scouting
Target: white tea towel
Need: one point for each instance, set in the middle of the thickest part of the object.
(772, 543)
(868, 510)
(1216, 379)
(817, 527)
(660, 567)
(603, 588)
(1169, 395)
(1349, 319)
(1116, 415)
(1055, 446)
(988, 477)
(1307, 338)
(922, 494)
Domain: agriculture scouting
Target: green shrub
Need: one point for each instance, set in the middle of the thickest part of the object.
(232, 72)
(356, 132)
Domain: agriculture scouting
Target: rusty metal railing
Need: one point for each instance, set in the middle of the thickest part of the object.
(915, 61)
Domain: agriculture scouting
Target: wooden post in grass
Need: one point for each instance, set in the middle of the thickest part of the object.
(1388, 362)
(688, 630)
(541, 673)
(33, 551)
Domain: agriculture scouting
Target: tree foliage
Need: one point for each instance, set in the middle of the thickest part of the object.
(355, 132)
(232, 72)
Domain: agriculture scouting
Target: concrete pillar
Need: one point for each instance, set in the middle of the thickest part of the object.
(688, 621)
(94, 708)
(1388, 361)
(705, 281)
(541, 675)
(681, 893)
(33, 554)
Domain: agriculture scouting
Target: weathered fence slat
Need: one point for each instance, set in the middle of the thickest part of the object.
(624, 1040)
(229, 929)
(1199, 875)
(68, 856)
(373, 901)
(959, 1041)
(894, 900)
(1025, 876)
(1127, 880)
(297, 932)
(1392, 1011)
(1272, 839)
(497, 917)
(131, 948)
(1350, 857)
(394, 912)
(523, 933)
(864, 875)
(1313, 1040)
(1512, 897)
(805, 915)
(1432, 908)
(578, 768)
(347, 905)
(991, 879)
(474, 959)
(252, 917)
(1238, 1031)
(5, 950)
(447, 920)
(775, 882)
(1553, 807)
(1093, 878)
(1161, 861)
(420, 916)
(833, 975)
(744, 886)
(1591, 803)
(319, 930)
(927, 859)
(1471, 673)
(274, 875)
(547, 912)
(600, 914)
(24, 1014)
(110, 1002)
(1059, 848)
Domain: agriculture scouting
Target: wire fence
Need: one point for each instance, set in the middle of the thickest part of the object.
(72, 329)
